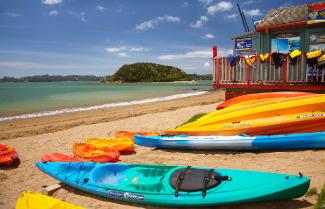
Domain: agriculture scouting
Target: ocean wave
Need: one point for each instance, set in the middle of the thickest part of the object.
(103, 106)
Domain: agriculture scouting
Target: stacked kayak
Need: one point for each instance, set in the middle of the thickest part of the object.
(255, 98)
(289, 115)
(123, 145)
(176, 185)
(130, 134)
(8, 155)
(240, 142)
(95, 154)
(30, 200)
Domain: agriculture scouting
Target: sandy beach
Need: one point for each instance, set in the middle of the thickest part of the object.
(34, 137)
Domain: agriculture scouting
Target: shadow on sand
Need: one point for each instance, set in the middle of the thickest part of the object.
(287, 204)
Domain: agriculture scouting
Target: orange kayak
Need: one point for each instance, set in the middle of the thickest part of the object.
(261, 96)
(130, 134)
(58, 157)
(7, 155)
(95, 154)
(123, 145)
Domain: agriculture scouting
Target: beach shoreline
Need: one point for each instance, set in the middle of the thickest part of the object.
(45, 124)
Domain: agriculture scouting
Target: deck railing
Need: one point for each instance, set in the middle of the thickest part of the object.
(265, 73)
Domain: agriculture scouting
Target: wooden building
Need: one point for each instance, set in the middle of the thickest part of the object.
(282, 30)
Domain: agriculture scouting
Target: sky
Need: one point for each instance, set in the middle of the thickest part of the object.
(97, 37)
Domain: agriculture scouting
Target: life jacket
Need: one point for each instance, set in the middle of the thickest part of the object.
(264, 57)
(313, 54)
(250, 60)
(278, 59)
(312, 57)
(321, 61)
(293, 56)
(233, 60)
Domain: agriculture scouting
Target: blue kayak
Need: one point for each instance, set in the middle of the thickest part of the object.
(165, 185)
(315, 140)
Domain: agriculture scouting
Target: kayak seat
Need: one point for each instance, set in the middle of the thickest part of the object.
(149, 179)
(194, 179)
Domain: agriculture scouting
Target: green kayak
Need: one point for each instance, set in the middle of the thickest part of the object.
(176, 185)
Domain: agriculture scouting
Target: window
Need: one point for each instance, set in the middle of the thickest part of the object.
(284, 43)
(317, 41)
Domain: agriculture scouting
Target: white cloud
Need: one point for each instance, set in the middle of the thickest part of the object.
(206, 65)
(122, 54)
(11, 14)
(100, 8)
(253, 12)
(150, 24)
(206, 2)
(221, 6)
(200, 22)
(51, 2)
(208, 36)
(232, 16)
(138, 49)
(114, 49)
(187, 55)
(53, 13)
(185, 4)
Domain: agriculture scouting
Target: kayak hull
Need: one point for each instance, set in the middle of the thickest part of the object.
(303, 122)
(31, 200)
(314, 140)
(150, 184)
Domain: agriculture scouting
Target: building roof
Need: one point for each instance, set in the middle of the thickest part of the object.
(286, 15)
(290, 16)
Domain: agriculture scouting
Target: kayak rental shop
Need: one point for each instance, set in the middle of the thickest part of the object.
(284, 51)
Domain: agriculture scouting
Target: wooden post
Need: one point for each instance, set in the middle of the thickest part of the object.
(284, 71)
(216, 61)
(248, 74)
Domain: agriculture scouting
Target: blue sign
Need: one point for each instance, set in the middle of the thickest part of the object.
(245, 43)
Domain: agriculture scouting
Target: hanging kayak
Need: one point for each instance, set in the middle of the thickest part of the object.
(31, 200)
(240, 142)
(176, 185)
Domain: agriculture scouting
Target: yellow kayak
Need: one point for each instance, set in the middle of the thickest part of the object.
(262, 110)
(312, 121)
(123, 145)
(31, 200)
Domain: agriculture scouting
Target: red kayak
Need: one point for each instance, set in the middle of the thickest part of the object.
(7, 155)
(58, 157)
(267, 95)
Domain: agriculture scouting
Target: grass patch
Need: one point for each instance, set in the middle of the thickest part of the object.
(194, 118)
(311, 192)
(320, 204)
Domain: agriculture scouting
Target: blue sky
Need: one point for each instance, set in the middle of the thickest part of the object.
(64, 37)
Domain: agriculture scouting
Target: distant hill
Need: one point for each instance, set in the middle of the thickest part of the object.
(200, 77)
(149, 72)
(51, 78)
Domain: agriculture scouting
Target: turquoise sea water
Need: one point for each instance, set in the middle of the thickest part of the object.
(21, 98)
